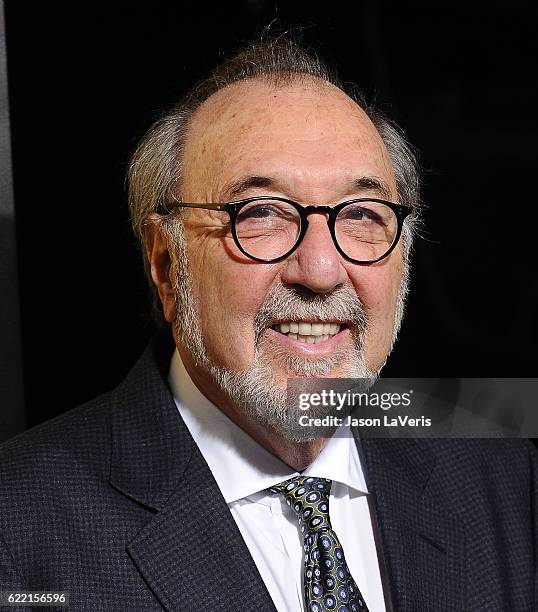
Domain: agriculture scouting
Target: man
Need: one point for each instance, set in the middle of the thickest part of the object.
(276, 215)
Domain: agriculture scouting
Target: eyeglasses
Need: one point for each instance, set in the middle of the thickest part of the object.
(268, 228)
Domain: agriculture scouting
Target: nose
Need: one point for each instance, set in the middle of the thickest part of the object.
(315, 264)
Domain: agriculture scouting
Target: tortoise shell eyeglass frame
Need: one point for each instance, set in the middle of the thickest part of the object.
(233, 209)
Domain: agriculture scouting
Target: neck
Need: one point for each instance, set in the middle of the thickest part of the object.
(298, 455)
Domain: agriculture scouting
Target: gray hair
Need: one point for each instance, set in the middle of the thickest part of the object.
(155, 169)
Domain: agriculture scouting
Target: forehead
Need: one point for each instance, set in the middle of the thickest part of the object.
(308, 134)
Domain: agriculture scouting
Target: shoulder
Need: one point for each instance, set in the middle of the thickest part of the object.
(51, 475)
(73, 445)
(493, 480)
(78, 442)
(495, 458)
(461, 472)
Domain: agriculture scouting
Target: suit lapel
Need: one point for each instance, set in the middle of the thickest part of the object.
(191, 553)
(423, 545)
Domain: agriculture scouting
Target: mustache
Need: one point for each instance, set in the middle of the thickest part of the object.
(299, 303)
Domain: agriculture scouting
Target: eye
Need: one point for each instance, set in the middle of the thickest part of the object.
(268, 210)
(259, 211)
(364, 214)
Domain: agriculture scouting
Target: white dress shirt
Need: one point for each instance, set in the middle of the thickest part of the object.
(243, 470)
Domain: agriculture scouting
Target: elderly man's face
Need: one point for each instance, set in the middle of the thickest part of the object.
(310, 143)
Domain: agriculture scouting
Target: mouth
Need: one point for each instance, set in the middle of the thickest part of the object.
(314, 338)
(309, 332)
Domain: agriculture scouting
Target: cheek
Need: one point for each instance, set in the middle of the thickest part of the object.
(378, 287)
(229, 296)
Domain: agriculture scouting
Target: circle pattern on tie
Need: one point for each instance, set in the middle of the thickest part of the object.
(328, 584)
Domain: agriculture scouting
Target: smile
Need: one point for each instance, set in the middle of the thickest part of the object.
(308, 333)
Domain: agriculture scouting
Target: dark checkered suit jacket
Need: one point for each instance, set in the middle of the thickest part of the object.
(114, 503)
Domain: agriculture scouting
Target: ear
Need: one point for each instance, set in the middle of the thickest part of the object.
(160, 266)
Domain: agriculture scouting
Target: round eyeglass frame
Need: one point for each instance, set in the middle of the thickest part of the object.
(233, 208)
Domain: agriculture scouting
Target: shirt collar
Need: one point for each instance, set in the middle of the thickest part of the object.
(239, 464)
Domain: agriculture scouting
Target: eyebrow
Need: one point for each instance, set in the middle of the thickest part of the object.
(370, 183)
(236, 188)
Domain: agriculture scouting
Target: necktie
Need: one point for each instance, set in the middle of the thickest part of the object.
(328, 584)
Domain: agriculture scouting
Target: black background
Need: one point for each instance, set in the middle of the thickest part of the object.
(86, 79)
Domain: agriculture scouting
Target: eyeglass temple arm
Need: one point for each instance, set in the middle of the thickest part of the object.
(172, 205)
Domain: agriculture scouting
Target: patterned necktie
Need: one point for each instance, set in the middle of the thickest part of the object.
(328, 584)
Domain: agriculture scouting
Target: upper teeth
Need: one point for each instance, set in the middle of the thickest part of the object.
(309, 329)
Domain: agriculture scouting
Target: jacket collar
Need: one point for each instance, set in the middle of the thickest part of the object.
(190, 553)
(151, 447)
